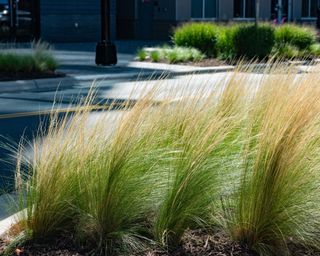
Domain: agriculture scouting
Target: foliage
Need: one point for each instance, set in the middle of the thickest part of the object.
(287, 51)
(173, 54)
(226, 45)
(39, 60)
(315, 50)
(297, 36)
(238, 154)
(278, 198)
(251, 41)
(141, 54)
(155, 56)
(202, 36)
(182, 54)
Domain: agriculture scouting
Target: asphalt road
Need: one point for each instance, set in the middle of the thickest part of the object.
(21, 113)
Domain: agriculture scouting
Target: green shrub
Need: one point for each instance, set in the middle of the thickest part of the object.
(286, 51)
(298, 36)
(251, 41)
(155, 56)
(226, 42)
(172, 54)
(202, 36)
(315, 50)
(142, 54)
(182, 54)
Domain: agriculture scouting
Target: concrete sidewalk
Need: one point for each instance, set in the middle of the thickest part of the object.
(77, 61)
(133, 71)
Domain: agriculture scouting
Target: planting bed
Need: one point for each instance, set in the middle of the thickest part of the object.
(7, 76)
(207, 44)
(202, 63)
(194, 243)
(227, 168)
(37, 63)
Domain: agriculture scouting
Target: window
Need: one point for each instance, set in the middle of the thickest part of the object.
(204, 9)
(274, 8)
(309, 8)
(244, 8)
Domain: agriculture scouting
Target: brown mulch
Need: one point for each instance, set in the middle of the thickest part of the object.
(5, 76)
(206, 63)
(195, 243)
(203, 63)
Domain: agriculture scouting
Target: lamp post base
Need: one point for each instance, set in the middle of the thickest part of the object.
(106, 53)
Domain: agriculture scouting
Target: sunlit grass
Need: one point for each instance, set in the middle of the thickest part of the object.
(241, 154)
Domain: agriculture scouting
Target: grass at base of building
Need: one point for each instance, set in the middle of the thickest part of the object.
(244, 41)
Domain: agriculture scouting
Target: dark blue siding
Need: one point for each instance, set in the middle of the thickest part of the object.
(70, 20)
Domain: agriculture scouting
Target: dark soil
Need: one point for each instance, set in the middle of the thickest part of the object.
(5, 76)
(202, 63)
(206, 63)
(195, 243)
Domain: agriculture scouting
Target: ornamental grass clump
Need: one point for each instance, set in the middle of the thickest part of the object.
(39, 60)
(240, 154)
(199, 139)
(277, 201)
(149, 174)
(89, 182)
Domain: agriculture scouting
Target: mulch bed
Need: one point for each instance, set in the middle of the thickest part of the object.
(5, 76)
(195, 243)
(206, 63)
(202, 63)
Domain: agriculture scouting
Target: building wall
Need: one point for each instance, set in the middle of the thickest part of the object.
(126, 19)
(113, 19)
(265, 9)
(183, 10)
(296, 12)
(70, 20)
(225, 10)
(164, 17)
(152, 20)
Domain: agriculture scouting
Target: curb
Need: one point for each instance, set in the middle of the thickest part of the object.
(148, 71)
(35, 85)
(7, 223)
(68, 82)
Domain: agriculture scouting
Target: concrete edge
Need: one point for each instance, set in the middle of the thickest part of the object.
(147, 71)
(68, 82)
(7, 223)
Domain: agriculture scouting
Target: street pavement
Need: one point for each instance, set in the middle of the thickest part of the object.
(24, 105)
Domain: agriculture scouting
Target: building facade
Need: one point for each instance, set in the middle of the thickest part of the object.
(154, 19)
(79, 20)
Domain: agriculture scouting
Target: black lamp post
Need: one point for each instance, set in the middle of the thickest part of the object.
(13, 18)
(106, 52)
